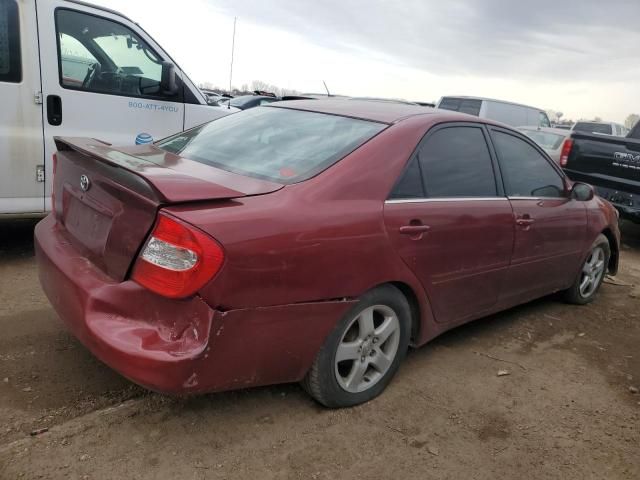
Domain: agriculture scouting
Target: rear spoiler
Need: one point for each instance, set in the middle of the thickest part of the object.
(153, 167)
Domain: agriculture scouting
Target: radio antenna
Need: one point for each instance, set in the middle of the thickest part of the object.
(233, 47)
(326, 88)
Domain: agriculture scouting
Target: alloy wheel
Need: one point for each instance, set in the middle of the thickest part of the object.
(367, 349)
(592, 272)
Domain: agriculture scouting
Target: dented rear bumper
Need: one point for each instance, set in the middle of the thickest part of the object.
(178, 346)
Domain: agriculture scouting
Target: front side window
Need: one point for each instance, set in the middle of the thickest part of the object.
(278, 144)
(544, 120)
(10, 63)
(99, 55)
(526, 172)
(455, 162)
(76, 61)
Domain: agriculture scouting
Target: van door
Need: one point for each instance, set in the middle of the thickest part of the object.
(21, 148)
(101, 78)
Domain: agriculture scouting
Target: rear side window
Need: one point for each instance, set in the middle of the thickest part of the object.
(410, 183)
(462, 105)
(526, 172)
(10, 63)
(455, 162)
(278, 144)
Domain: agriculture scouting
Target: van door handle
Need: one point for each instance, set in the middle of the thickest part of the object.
(54, 110)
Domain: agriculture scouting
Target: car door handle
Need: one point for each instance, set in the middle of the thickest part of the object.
(414, 229)
(525, 221)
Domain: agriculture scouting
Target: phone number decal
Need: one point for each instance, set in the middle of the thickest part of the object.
(154, 107)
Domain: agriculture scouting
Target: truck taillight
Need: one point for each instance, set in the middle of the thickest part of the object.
(54, 166)
(566, 151)
(177, 259)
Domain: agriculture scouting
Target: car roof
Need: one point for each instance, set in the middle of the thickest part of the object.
(376, 111)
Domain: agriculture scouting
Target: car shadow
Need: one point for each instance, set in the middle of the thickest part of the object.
(16, 238)
(630, 234)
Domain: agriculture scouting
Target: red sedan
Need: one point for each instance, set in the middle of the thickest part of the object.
(309, 241)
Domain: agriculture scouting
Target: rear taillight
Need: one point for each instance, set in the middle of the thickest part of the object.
(54, 159)
(566, 151)
(177, 259)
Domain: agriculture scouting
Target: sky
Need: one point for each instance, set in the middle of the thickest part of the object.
(579, 57)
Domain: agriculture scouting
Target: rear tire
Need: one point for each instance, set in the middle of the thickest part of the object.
(363, 352)
(592, 273)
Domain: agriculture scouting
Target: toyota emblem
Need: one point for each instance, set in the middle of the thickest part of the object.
(85, 183)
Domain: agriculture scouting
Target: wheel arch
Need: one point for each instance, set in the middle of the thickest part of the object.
(416, 311)
(615, 253)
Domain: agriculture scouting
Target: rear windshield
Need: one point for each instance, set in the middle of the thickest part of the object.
(592, 127)
(282, 145)
(550, 141)
(462, 105)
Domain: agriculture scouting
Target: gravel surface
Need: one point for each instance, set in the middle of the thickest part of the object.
(545, 390)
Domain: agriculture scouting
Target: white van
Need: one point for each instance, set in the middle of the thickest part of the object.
(68, 68)
(508, 113)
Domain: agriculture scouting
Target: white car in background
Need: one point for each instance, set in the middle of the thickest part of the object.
(555, 141)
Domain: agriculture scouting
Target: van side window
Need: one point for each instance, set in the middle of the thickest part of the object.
(525, 171)
(455, 162)
(103, 56)
(470, 106)
(10, 63)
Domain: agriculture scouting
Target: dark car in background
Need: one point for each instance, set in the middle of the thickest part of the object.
(602, 128)
(309, 241)
(611, 164)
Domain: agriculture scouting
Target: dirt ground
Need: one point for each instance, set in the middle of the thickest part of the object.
(566, 409)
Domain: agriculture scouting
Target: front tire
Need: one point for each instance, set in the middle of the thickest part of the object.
(592, 272)
(363, 352)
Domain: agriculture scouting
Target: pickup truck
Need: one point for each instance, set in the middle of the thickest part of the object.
(611, 164)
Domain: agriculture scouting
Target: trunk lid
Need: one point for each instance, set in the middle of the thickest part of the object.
(107, 198)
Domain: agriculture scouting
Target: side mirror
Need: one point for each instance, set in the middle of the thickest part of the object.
(168, 78)
(582, 192)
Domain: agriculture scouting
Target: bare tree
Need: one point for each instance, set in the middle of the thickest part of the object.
(631, 120)
(255, 85)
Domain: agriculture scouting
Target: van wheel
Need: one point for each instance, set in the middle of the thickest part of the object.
(592, 273)
(363, 352)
